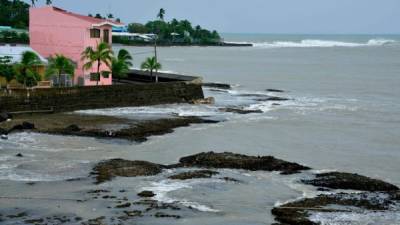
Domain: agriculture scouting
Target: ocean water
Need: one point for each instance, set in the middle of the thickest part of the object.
(344, 115)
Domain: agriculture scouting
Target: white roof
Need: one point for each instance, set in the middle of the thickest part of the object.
(16, 52)
(127, 34)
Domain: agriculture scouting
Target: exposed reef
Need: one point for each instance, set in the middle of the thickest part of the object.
(99, 126)
(106, 170)
(349, 181)
(238, 161)
(194, 175)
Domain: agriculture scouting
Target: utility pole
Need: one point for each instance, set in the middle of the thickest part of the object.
(155, 54)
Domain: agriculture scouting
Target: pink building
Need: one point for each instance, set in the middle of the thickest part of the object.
(56, 31)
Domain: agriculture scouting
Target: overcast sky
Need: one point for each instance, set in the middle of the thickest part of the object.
(257, 16)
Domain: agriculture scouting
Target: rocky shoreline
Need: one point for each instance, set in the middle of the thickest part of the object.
(98, 126)
(364, 193)
(371, 195)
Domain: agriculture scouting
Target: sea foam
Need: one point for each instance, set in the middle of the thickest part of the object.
(312, 43)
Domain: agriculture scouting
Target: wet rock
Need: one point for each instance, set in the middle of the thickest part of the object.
(3, 131)
(134, 213)
(194, 175)
(323, 189)
(4, 116)
(156, 205)
(274, 90)
(254, 95)
(340, 180)
(240, 111)
(164, 215)
(3, 137)
(141, 131)
(19, 155)
(98, 191)
(230, 179)
(146, 194)
(106, 170)
(297, 212)
(274, 98)
(124, 205)
(18, 215)
(24, 126)
(96, 221)
(28, 126)
(217, 85)
(34, 221)
(73, 128)
(238, 161)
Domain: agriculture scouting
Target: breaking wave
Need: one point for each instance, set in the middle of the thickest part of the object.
(311, 43)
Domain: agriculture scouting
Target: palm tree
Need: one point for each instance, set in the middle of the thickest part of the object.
(60, 65)
(151, 64)
(25, 70)
(102, 54)
(48, 2)
(161, 14)
(121, 64)
(6, 69)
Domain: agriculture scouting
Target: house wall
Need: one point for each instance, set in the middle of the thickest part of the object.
(93, 42)
(53, 32)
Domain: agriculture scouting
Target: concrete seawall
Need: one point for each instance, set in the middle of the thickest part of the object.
(80, 98)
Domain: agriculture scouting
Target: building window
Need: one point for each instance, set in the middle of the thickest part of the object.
(105, 74)
(94, 33)
(106, 36)
(94, 77)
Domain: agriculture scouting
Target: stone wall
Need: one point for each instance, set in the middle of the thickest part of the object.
(79, 98)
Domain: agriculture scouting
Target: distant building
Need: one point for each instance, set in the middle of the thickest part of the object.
(10, 29)
(56, 31)
(15, 52)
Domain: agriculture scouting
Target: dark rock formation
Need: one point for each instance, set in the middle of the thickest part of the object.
(100, 126)
(28, 126)
(237, 161)
(106, 170)
(164, 215)
(217, 85)
(138, 132)
(3, 131)
(254, 95)
(24, 126)
(240, 111)
(339, 180)
(73, 128)
(194, 175)
(124, 205)
(4, 116)
(297, 212)
(273, 98)
(146, 194)
(19, 155)
(230, 179)
(274, 90)
(156, 205)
